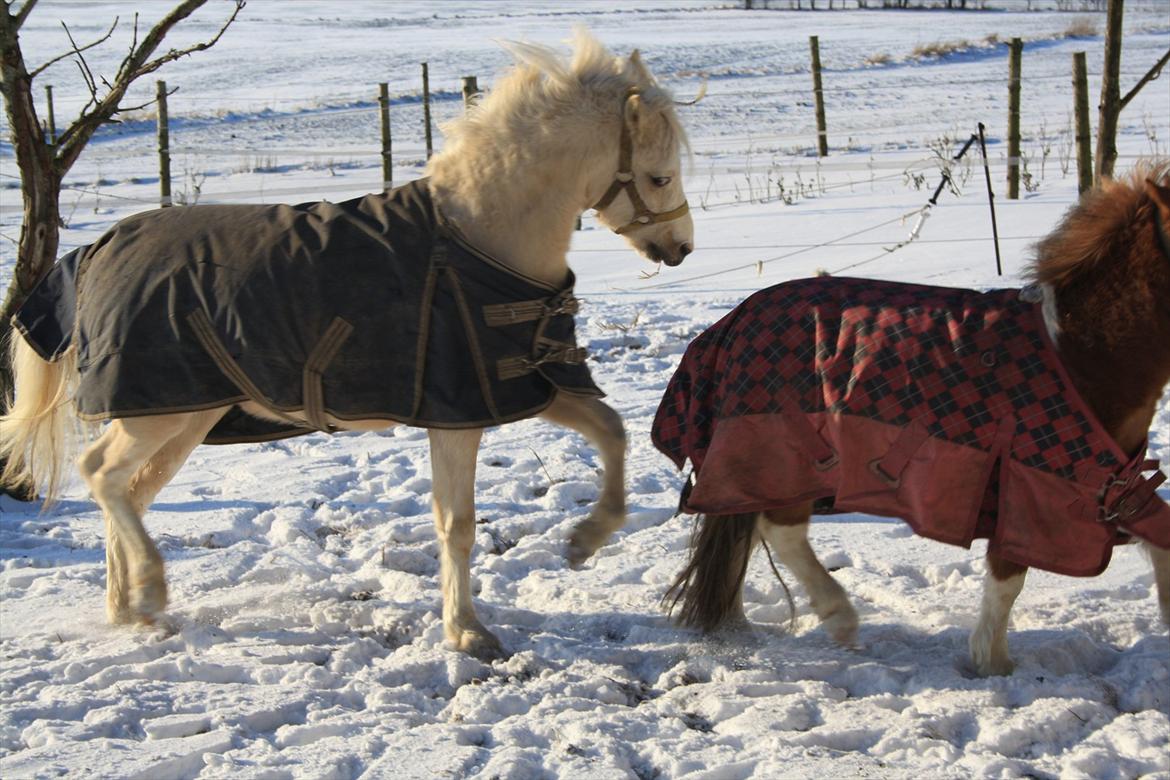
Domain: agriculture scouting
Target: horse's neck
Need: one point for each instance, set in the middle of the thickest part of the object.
(522, 215)
(1117, 364)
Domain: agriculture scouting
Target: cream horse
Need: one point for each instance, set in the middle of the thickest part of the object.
(552, 139)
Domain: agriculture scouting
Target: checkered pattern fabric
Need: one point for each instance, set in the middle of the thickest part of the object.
(956, 360)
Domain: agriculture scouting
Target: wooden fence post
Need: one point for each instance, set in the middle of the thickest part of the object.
(1084, 140)
(164, 147)
(1015, 52)
(818, 93)
(52, 121)
(387, 160)
(470, 92)
(427, 108)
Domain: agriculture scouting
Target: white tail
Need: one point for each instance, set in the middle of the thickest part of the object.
(39, 427)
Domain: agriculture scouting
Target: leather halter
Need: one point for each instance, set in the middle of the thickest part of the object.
(624, 180)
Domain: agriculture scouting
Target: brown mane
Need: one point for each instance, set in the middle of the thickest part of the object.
(1110, 278)
(1100, 226)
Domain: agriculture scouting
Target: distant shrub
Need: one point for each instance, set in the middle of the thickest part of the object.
(880, 58)
(1082, 27)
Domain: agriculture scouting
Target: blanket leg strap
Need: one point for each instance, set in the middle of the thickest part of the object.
(889, 467)
(823, 456)
(205, 332)
(314, 394)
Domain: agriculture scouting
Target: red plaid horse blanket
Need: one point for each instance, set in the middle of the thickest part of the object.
(948, 408)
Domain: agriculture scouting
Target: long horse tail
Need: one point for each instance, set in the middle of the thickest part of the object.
(39, 428)
(709, 587)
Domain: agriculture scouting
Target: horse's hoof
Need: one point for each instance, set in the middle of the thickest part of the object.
(577, 553)
(842, 626)
(994, 667)
(482, 645)
(147, 602)
(120, 616)
(988, 660)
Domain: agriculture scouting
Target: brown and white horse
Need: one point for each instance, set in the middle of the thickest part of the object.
(1104, 275)
(553, 138)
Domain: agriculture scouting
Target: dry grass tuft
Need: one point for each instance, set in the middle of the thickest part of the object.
(940, 48)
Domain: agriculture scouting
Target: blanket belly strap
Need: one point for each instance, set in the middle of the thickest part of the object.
(501, 314)
(547, 351)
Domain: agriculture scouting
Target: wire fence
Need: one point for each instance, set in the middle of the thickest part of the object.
(285, 139)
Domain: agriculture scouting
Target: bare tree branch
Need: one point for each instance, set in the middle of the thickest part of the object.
(175, 54)
(37, 71)
(136, 64)
(83, 66)
(134, 38)
(141, 106)
(1151, 74)
(23, 13)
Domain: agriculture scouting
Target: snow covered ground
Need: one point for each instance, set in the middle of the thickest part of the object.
(304, 636)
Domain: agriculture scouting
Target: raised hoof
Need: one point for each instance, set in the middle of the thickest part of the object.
(578, 553)
(482, 645)
(588, 537)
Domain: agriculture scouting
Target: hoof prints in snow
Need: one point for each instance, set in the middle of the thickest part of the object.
(304, 635)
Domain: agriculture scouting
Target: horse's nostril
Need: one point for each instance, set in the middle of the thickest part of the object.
(685, 250)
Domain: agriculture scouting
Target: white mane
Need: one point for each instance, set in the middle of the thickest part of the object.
(542, 92)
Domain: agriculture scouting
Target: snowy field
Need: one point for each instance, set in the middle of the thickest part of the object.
(304, 637)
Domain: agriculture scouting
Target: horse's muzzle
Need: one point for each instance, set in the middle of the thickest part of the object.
(660, 255)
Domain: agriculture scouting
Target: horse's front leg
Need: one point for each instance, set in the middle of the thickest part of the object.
(1161, 561)
(602, 426)
(989, 645)
(453, 454)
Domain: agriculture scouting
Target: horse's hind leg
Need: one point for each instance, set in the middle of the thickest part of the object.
(453, 454)
(123, 477)
(989, 645)
(786, 532)
(1161, 561)
(602, 426)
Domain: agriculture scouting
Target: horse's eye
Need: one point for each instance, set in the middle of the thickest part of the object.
(660, 181)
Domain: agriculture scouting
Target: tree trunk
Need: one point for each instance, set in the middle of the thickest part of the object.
(38, 249)
(1110, 106)
(40, 185)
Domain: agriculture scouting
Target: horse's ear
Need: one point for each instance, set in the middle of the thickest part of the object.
(636, 114)
(1160, 195)
(637, 71)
